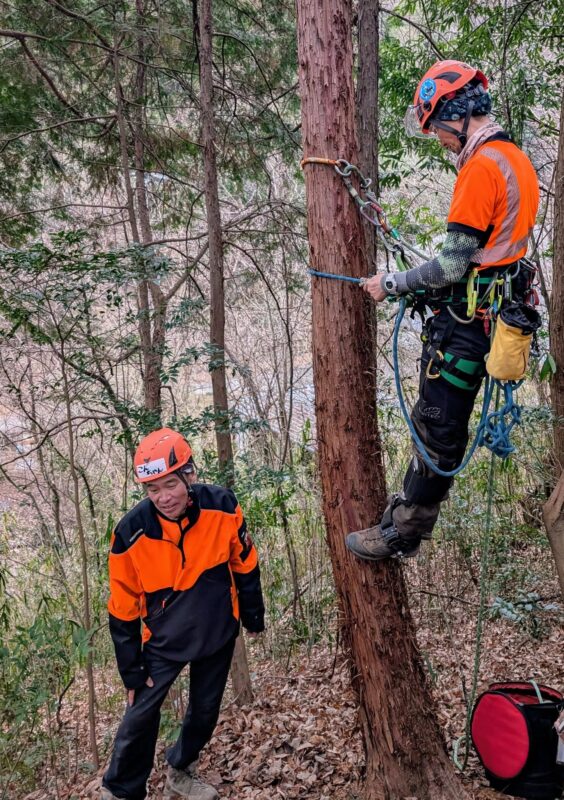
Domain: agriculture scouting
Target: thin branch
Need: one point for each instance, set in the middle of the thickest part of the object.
(422, 30)
(42, 71)
(56, 208)
(55, 125)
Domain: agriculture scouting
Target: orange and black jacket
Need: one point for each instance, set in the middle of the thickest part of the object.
(189, 581)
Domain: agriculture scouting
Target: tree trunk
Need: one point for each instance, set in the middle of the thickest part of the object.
(87, 617)
(553, 510)
(367, 110)
(556, 319)
(405, 750)
(553, 517)
(151, 301)
(239, 669)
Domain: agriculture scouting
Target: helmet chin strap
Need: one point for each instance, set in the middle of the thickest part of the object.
(187, 485)
(461, 135)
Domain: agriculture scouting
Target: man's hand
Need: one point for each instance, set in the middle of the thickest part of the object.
(374, 288)
(253, 635)
(131, 692)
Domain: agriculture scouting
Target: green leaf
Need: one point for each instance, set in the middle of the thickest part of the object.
(548, 368)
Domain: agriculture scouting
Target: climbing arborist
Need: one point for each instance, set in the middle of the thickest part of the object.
(182, 563)
(491, 217)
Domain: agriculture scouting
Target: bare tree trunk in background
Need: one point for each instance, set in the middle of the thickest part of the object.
(553, 510)
(87, 618)
(151, 302)
(152, 315)
(405, 751)
(239, 668)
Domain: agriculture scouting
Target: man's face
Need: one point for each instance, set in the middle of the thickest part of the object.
(448, 140)
(170, 494)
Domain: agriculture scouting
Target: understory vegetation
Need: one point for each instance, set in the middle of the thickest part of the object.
(106, 297)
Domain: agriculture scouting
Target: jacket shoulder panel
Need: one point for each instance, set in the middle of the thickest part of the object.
(215, 498)
(141, 519)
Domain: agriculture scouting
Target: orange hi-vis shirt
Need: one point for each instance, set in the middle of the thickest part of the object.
(496, 195)
(189, 581)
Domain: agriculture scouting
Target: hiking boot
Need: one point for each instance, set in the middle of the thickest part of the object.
(105, 794)
(185, 783)
(384, 540)
(372, 544)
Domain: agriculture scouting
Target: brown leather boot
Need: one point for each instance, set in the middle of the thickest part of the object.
(399, 533)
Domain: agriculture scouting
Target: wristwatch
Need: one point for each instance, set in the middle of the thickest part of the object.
(390, 284)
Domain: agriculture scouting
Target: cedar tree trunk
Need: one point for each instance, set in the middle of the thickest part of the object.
(553, 511)
(367, 110)
(239, 668)
(405, 751)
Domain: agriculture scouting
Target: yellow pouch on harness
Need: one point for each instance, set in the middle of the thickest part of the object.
(509, 356)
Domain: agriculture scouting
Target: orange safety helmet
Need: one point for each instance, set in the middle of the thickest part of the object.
(441, 83)
(161, 453)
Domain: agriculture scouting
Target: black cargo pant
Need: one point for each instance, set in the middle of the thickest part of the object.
(134, 746)
(441, 417)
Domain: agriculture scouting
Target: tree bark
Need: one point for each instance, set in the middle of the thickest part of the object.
(405, 750)
(240, 668)
(553, 510)
(553, 518)
(367, 109)
(556, 319)
(87, 617)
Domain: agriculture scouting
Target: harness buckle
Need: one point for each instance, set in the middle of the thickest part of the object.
(432, 376)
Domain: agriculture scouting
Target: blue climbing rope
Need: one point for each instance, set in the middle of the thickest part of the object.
(336, 277)
(496, 430)
(493, 430)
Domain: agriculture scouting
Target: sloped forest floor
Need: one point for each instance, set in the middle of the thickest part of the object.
(300, 738)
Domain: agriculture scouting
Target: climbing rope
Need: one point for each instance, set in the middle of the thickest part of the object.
(493, 430)
(482, 605)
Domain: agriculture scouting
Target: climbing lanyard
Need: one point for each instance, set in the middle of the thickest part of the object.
(370, 209)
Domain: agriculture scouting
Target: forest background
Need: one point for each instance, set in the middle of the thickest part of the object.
(154, 271)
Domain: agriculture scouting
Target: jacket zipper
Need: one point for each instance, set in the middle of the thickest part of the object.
(183, 532)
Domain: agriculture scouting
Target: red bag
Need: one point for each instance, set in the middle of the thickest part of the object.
(513, 732)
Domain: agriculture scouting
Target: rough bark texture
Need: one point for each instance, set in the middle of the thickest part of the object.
(553, 511)
(553, 517)
(556, 325)
(367, 109)
(405, 750)
(239, 668)
(217, 298)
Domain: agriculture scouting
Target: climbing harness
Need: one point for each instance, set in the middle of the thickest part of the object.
(493, 430)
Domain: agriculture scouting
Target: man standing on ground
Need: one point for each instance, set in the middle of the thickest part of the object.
(182, 561)
(491, 218)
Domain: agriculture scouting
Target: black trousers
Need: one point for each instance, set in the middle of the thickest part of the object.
(443, 410)
(136, 739)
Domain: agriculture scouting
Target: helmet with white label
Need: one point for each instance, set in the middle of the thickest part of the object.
(161, 453)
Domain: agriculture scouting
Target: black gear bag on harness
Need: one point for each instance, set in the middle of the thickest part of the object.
(513, 732)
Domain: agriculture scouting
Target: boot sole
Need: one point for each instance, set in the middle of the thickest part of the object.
(411, 554)
(172, 794)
